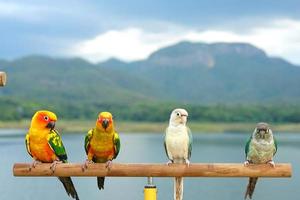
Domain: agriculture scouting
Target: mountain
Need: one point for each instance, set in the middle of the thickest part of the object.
(44, 78)
(223, 73)
(197, 73)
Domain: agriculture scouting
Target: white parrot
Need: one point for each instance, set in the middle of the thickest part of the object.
(178, 145)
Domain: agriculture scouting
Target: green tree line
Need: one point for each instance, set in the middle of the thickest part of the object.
(18, 109)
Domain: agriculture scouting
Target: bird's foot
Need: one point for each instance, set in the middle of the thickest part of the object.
(34, 164)
(271, 162)
(54, 164)
(246, 163)
(187, 162)
(85, 164)
(108, 164)
(169, 162)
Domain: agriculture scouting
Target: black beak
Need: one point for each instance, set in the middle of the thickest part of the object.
(51, 125)
(105, 123)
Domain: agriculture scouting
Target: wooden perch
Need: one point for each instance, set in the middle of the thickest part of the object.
(158, 170)
(2, 79)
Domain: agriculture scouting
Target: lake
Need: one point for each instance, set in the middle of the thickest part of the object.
(148, 148)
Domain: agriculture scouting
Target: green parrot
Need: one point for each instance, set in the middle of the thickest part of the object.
(260, 148)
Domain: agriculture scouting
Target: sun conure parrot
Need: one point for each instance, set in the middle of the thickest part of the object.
(102, 144)
(44, 145)
(178, 145)
(260, 148)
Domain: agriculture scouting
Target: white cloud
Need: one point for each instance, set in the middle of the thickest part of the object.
(127, 44)
(277, 38)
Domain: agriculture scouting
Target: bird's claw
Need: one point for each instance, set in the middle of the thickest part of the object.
(187, 162)
(169, 162)
(34, 164)
(85, 164)
(108, 164)
(54, 164)
(271, 162)
(246, 163)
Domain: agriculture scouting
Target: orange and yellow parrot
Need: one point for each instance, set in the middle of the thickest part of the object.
(102, 144)
(44, 145)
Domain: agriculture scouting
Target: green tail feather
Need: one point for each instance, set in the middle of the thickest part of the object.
(250, 187)
(100, 181)
(69, 187)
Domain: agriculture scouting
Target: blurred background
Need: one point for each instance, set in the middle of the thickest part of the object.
(230, 63)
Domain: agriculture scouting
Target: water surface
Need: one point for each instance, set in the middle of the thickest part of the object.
(148, 148)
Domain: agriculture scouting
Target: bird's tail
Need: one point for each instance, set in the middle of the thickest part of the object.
(100, 181)
(250, 187)
(69, 187)
(178, 188)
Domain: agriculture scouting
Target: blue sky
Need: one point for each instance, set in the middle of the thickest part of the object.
(132, 30)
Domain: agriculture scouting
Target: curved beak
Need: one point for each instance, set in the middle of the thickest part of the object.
(51, 125)
(105, 123)
(184, 119)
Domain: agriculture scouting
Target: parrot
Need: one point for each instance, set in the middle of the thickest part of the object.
(178, 145)
(44, 145)
(102, 144)
(260, 148)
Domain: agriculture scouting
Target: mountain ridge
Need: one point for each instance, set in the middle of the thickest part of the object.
(195, 73)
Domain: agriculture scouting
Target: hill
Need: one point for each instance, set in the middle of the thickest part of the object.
(185, 73)
(223, 73)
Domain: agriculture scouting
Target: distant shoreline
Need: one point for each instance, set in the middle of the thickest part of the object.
(82, 126)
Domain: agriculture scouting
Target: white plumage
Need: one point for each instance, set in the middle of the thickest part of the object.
(178, 145)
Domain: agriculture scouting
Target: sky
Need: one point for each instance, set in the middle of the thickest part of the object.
(133, 29)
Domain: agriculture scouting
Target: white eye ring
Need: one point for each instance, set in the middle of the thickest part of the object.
(46, 118)
(178, 114)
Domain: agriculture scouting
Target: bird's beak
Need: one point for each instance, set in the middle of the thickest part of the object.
(262, 132)
(105, 123)
(51, 125)
(184, 118)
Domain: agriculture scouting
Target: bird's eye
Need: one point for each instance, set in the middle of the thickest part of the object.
(178, 114)
(46, 118)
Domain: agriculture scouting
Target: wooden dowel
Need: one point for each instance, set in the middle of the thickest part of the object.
(157, 170)
(2, 79)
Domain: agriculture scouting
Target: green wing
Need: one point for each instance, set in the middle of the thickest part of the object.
(165, 145)
(87, 140)
(275, 143)
(247, 146)
(190, 142)
(27, 144)
(117, 144)
(55, 142)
